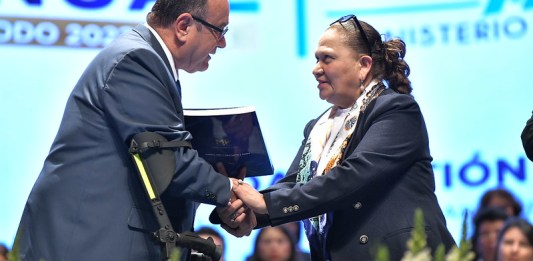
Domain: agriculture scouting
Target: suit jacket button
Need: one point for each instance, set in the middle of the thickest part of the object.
(285, 210)
(363, 239)
(357, 205)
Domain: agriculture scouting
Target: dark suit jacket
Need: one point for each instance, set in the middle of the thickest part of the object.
(527, 138)
(384, 176)
(88, 203)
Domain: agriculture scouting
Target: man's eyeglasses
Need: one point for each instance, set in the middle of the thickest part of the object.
(221, 31)
(361, 31)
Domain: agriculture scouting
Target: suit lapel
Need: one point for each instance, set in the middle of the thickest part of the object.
(147, 35)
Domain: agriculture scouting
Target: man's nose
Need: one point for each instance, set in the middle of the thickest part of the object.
(317, 70)
(221, 43)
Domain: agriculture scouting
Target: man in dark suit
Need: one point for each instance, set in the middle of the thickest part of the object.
(527, 138)
(88, 203)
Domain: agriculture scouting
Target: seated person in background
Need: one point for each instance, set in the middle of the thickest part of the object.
(502, 198)
(488, 223)
(273, 244)
(527, 138)
(3, 252)
(515, 242)
(205, 232)
(294, 229)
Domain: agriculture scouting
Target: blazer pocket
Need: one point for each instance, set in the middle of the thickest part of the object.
(402, 231)
(396, 240)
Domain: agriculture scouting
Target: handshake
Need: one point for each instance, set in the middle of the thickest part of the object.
(238, 218)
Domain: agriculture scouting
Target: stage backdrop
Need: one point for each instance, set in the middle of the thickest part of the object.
(471, 68)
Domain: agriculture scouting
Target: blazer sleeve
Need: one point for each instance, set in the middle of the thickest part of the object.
(394, 138)
(140, 95)
(527, 138)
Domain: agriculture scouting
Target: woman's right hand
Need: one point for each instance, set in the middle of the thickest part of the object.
(251, 197)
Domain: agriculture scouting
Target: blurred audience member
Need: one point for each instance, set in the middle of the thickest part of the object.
(273, 244)
(502, 198)
(3, 252)
(294, 228)
(205, 232)
(515, 242)
(488, 223)
(527, 138)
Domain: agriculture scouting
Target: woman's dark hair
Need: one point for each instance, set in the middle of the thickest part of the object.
(165, 12)
(387, 57)
(488, 214)
(256, 257)
(515, 222)
(504, 194)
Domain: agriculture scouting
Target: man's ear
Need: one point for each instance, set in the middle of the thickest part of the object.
(182, 26)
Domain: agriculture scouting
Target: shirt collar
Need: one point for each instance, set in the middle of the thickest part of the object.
(165, 49)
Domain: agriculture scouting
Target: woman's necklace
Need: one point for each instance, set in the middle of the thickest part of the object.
(348, 124)
(351, 122)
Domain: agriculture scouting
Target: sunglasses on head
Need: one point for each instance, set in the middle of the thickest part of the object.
(346, 18)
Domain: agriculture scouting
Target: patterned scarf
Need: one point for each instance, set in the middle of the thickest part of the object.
(323, 151)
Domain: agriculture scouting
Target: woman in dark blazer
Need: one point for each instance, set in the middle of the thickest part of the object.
(364, 166)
